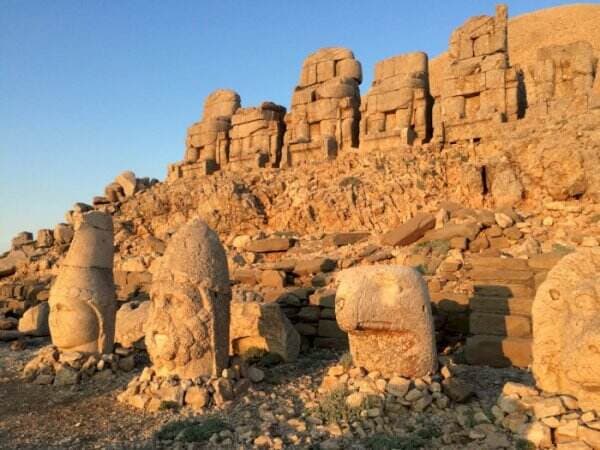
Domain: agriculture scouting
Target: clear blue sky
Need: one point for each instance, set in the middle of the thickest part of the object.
(91, 88)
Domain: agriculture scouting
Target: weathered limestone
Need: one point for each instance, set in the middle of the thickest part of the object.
(562, 79)
(130, 321)
(324, 114)
(207, 142)
(479, 87)
(396, 109)
(256, 136)
(566, 357)
(187, 330)
(386, 311)
(256, 326)
(82, 299)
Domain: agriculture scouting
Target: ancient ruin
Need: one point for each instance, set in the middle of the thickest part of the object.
(479, 85)
(187, 329)
(207, 142)
(565, 325)
(387, 314)
(256, 136)
(563, 79)
(82, 299)
(416, 267)
(397, 109)
(324, 113)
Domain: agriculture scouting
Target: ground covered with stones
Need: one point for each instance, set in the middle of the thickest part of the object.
(288, 409)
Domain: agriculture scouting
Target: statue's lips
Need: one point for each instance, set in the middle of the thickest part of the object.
(376, 325)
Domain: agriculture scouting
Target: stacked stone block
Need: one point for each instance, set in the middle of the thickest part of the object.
(396, 110)
(256, 136)
(500, 308)
(324, 115)
(563, 80)
(207, 141)
(479, 87)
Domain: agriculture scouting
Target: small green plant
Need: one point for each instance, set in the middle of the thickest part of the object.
(333, 408)
(190, 430)
(346, 360)
(168, 404)
(253, 355)
(562, 249)
(437, 246)
(386, 442)
(524, 444)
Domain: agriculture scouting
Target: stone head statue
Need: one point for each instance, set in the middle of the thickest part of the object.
(187, 330)
(386, 312)
(82, 299)
(566, 329)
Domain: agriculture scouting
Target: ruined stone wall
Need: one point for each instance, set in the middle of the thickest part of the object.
(479, 86)
(396, 110)
(256, 136)
(324, 114)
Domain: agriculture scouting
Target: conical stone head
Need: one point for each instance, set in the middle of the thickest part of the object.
(187, 331)
(82, 299)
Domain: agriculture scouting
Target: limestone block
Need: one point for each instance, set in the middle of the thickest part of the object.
(35, 321)
(324, 104)
(565, 315)
(263, 327)
(82, 299)
(498, 351)
(130, 320)
(127, 181)
(386, 311)
(410, 231)
(221, 103)
(44, 238)
(187, 330)
(563, 172)
(22, 238)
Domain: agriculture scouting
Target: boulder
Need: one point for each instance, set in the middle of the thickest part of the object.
(566, 328)
(22, 238)
(386, 311)
(269, 245)
(130, 321)
(128, 182)
(410, 231)
(263, 327)
(35, 321)
(63, 233)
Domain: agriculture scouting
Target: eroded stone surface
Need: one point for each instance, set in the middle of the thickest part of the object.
(187, 330)
(566, 358)
(82, 299)
(386, 311)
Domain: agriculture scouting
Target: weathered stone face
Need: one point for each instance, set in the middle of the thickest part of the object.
(386, 311)
(561, 79)
(256, 136)
(82, 299)
(566, 324)
(187, 331)
(325, 107)
(395, 111)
